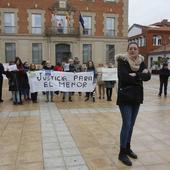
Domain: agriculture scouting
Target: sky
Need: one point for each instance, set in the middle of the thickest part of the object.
(146, 12)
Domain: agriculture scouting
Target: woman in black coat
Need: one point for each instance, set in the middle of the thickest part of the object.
(1, 80)
(131, 74)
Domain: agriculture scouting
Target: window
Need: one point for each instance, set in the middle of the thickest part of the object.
(9, 22)
(87, 52)
(87, 25)
(156, 40)
(110, 54)
(110, 26)
(110, 0)
(37, 53)
(10, 52)
(36, 23)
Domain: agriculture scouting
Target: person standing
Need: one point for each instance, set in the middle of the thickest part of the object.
(1, 80)
(91, 68)
(100, 83)
(69, 67)
(109, 86)
(33, 94)
(131, 74)
(164, 73)
(48, 69)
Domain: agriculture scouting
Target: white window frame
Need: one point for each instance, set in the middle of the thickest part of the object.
(90, 32)
(110, 31)
(9, 22)
(36, 28)
(87, 26)
(38, 12)
(108, 15)
(14, 25)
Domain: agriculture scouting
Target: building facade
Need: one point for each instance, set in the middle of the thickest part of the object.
(56, 30)
(151, 38)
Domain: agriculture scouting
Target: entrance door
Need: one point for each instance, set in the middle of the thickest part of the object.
(62, 52)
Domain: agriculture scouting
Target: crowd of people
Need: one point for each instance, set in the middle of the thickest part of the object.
(20, 89)
(131, 71)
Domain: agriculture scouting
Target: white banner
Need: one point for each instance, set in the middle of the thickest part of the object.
(108, 74)
(48, 80)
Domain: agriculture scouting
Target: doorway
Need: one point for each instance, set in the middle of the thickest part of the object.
(62, 52)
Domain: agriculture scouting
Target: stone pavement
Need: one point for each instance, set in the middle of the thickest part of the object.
(82, 135)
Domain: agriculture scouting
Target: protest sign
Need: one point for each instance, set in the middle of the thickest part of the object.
(8, 67)
(109, 74)
(60, 81)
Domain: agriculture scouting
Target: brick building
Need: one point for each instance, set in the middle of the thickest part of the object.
(37, 30)
(150, 39)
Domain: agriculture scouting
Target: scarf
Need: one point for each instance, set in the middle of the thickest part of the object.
(134, 64)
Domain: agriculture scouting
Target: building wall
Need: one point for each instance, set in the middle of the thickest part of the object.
(98, 9)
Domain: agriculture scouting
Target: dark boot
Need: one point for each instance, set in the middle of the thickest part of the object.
(70, 100)
(124, 158)
(130, 153)
(87, 98)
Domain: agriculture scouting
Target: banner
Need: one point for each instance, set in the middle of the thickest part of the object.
(48, 80)
(107, 74)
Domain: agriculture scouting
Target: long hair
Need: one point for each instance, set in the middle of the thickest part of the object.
(88, 66)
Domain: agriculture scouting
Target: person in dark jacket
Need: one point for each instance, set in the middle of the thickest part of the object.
(109, 86)
(164, 73)
(16, 81)
(91, 68)
(131, 74)
(1, 80)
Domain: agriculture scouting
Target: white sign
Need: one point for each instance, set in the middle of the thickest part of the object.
(8, 67)
(108, 74)
(61, 81)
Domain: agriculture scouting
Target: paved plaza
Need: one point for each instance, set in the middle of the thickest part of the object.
(82, 135)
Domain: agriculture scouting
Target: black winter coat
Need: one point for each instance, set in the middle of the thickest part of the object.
(1, 71)
(125, 80)
(164, 74)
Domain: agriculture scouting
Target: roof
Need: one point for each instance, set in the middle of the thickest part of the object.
(163, 23)
(137, 25)
(159, 28)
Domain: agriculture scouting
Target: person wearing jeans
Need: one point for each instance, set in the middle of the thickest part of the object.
(129, 114)
(131, 74)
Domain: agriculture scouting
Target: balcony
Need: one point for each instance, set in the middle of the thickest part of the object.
(110, 33)
(62, 31)
(9, 29)
(87, 32)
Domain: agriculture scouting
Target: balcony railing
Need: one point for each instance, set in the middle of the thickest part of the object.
(36, 30)
(62, 31)
(10, 29)
(87, 31)
(110, 33)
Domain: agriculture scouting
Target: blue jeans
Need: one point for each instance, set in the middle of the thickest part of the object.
(129, 113)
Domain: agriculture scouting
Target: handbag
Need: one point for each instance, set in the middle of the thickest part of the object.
(130, 93)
